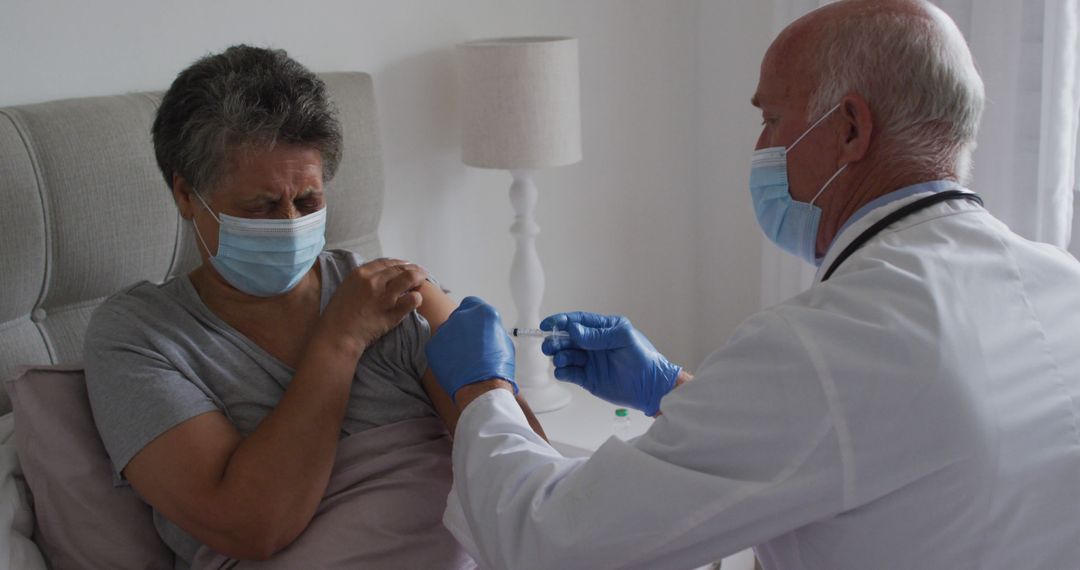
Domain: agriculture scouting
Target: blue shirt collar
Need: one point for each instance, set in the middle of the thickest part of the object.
(932, 187)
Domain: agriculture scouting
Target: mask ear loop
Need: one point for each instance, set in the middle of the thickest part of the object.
(827, 182)
(196, 226)
(816, 123)
(802, 136)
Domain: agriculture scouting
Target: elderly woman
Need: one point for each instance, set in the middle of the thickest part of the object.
(222, 395)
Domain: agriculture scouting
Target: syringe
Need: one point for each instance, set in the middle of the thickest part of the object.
(537, 333)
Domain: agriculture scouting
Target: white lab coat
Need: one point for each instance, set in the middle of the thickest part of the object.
(920, 410)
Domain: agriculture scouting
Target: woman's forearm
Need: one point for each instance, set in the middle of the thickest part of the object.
(534, 423)
(277, 476)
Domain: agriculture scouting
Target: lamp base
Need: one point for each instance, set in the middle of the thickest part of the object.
(534, 372)
(545, 397)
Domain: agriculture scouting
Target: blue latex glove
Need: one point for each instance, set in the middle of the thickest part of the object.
(608, 357)
(471, 346)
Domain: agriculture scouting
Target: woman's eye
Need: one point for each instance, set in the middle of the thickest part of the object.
(309, 204)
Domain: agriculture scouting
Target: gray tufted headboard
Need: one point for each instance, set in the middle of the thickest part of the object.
(85, 212)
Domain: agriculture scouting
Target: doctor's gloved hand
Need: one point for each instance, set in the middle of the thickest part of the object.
(608, 357)
(471, 346)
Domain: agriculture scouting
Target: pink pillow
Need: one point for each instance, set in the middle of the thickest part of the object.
(83, 521)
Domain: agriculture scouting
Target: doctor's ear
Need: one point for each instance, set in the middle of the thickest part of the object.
(857, 130)
(184, 196)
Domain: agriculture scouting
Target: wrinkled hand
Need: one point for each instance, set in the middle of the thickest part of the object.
(612, 360)
(373, 298)
(471, 346)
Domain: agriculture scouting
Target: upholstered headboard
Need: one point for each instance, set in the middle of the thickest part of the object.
(85, 212)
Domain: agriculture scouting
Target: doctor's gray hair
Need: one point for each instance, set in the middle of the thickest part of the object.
(243, 98)
(915, 72)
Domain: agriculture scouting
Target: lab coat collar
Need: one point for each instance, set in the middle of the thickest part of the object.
(875, 210)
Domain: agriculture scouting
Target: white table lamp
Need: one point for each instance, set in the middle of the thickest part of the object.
(521, 111)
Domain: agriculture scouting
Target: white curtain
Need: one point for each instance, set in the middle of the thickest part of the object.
(1028, 53)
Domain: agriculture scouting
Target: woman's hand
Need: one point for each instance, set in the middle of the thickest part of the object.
(372, 299)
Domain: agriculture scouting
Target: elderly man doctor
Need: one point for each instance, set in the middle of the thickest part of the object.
(918, 407)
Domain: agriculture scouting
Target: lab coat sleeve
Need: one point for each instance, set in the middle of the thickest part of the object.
(746, 452)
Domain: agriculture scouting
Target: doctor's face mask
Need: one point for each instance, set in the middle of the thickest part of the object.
(265, 257)
(790, 224)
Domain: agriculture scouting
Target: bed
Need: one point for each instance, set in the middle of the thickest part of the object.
(85, 212)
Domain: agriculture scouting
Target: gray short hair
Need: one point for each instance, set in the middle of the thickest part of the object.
(244, 97)
(917, 76)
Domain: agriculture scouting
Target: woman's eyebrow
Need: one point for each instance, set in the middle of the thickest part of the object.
(259, 198)
(309, 192)
(270, 197)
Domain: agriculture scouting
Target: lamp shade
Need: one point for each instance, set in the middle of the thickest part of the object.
(521, 102)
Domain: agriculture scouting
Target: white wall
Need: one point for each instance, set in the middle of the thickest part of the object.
(654, 223)
(732, 37)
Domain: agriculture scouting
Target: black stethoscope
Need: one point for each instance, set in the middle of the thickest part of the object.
(910, 209)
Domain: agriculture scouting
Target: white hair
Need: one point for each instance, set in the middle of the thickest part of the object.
(917, 76)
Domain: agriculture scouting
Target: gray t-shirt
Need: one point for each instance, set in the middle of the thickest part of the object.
(155, 356)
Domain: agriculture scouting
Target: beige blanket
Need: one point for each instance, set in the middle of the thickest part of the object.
(382, 509)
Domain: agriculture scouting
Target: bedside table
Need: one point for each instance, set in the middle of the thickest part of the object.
(580, 427)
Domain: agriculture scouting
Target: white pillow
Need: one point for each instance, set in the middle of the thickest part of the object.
(16, 515)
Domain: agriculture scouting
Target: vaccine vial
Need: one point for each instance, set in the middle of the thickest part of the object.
(621, 426)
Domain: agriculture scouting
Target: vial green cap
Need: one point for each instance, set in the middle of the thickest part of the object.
(621, 412)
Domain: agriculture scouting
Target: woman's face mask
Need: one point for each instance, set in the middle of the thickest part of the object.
(265, 257)
(790, 224)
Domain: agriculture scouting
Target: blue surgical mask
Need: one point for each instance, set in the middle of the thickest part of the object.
(790, 224)
(266, 257)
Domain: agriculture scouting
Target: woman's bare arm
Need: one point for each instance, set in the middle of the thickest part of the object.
(436, 308)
